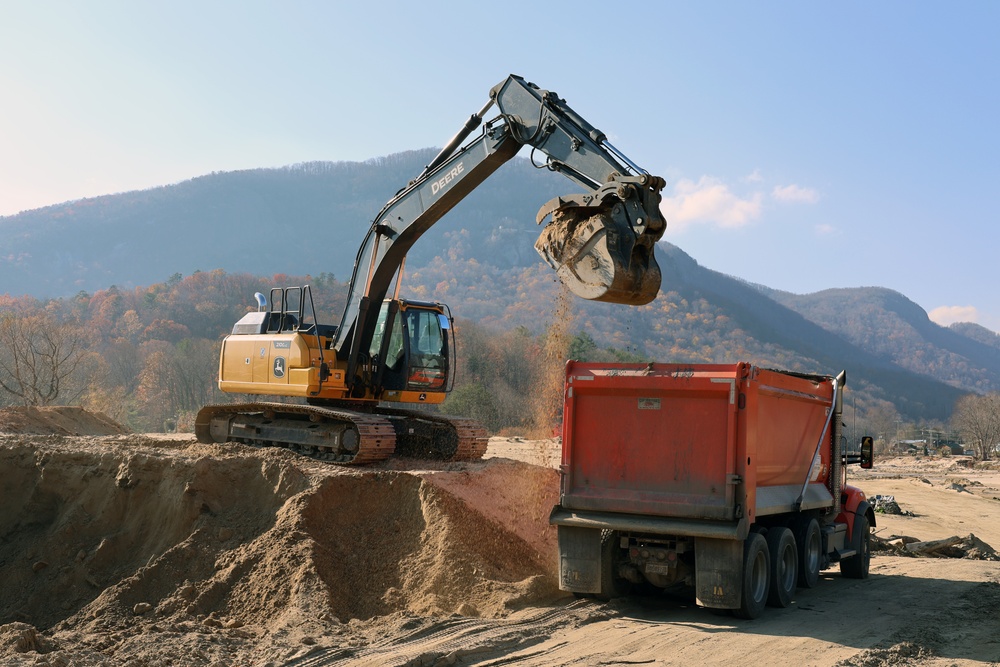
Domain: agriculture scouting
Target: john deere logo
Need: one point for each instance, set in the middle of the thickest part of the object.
(279, 367)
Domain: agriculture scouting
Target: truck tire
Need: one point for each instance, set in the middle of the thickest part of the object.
(784, 570)
(856, 566)
(810, 544)
(756, 577)
(612, 584)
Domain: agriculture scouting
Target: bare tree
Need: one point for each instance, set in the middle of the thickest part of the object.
(978, 419)
(176, 379)
(124, 361)
(37, 357)
(882, 420)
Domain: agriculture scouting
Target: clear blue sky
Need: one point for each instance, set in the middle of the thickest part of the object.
(805, 145)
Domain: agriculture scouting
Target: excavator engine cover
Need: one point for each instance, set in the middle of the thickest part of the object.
(604, 252)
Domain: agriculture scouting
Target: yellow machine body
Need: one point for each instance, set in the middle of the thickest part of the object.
(302, 364)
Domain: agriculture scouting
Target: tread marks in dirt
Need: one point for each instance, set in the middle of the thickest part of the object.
(453, 638)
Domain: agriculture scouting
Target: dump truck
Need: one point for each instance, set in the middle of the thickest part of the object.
(727, 481)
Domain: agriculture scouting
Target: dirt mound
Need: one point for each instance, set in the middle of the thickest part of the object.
(57, 420)
(104, 541)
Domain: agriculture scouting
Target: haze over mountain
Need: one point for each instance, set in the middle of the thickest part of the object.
(307, 218)
(310, 219)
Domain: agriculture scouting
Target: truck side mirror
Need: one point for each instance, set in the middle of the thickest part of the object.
(867, 452)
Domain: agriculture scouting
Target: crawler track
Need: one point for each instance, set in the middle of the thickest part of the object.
(341, 436)
(439, 437)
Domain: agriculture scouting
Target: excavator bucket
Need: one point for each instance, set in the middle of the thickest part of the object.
(605, 252)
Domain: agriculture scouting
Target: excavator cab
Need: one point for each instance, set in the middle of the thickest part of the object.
(411, 349)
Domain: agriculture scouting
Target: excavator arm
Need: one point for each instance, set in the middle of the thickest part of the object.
(600, 241)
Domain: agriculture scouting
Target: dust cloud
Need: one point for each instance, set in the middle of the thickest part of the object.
(547, 404)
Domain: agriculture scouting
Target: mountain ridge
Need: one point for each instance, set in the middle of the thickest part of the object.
(310, 219)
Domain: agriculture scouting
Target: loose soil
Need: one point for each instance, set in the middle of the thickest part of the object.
(60, 420)
(125, 549)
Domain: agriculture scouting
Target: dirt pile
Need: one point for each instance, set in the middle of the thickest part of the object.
(57, 420)
(239, 556)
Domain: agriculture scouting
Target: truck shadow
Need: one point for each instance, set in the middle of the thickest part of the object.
(885, 614)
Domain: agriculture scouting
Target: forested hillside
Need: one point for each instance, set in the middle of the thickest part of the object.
(307, 218)
(977, 333)
(893, 328)
(142, 286)
(700, 316)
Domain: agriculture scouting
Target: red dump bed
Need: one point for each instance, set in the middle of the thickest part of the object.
(709, 442)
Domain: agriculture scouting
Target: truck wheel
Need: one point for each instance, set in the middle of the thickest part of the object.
(856, 566)
(784, 571)
(612, 584)
(810, 545)
(756, 577)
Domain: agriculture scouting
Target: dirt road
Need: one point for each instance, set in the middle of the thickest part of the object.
(134, 550)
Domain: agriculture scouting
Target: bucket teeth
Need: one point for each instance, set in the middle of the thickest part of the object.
(601, 243)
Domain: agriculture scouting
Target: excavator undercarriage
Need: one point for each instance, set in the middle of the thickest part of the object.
(344, 435)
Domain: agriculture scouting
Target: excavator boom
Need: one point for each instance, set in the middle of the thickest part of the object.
(600, 242)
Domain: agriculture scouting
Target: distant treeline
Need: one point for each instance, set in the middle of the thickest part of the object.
(148, 356)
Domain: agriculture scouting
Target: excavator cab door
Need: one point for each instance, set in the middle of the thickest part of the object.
(416, 355)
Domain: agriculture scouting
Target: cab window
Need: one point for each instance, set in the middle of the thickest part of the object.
(428, 351)
(394, 353)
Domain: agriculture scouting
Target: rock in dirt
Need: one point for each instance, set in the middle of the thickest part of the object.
(22, 638)
(969, 547)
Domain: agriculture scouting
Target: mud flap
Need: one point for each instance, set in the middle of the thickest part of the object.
(718, 572)
(579, 559)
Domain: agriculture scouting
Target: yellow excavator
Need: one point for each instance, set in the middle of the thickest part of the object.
(392, 350)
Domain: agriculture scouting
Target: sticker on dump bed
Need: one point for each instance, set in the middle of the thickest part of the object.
(649, 403)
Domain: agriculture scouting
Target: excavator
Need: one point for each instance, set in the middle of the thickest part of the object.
(391, 350)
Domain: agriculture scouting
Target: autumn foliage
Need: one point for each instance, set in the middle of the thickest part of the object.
(148, 356)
